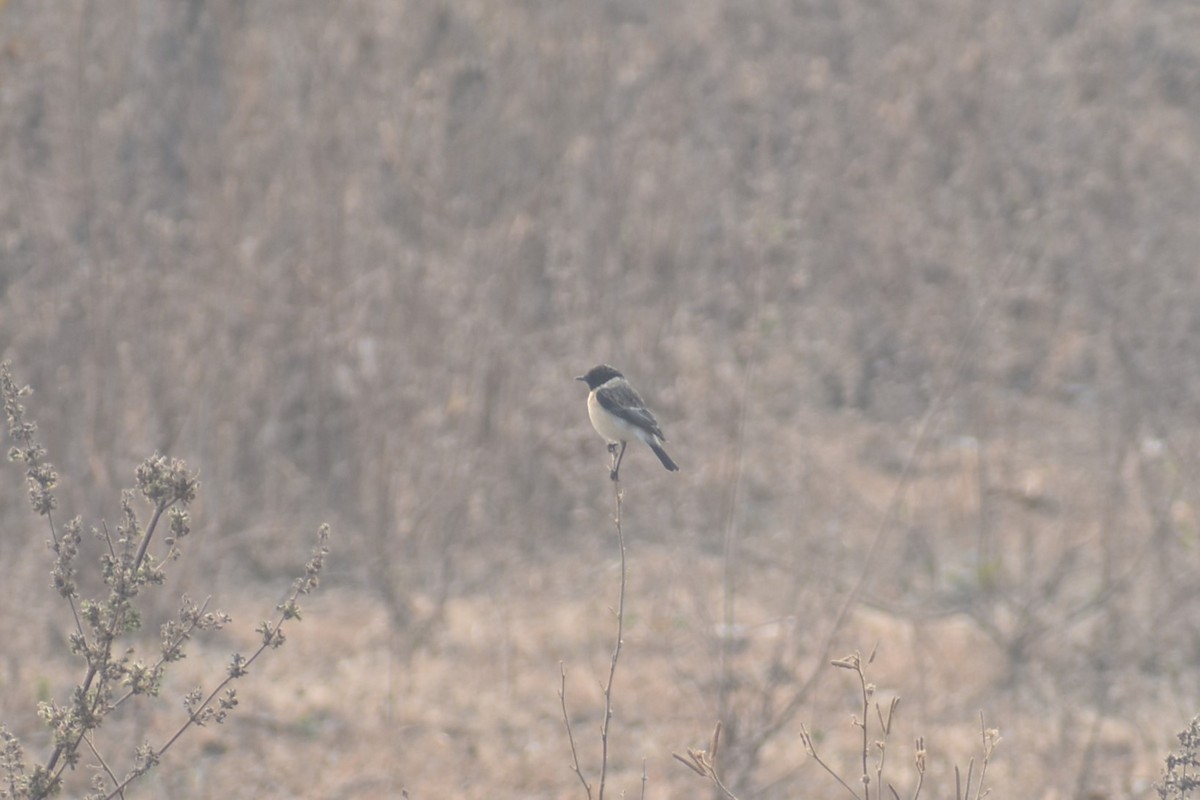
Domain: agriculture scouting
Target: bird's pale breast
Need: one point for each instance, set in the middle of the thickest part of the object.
(614, 429)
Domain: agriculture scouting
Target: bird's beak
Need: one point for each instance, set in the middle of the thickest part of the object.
(581, 377)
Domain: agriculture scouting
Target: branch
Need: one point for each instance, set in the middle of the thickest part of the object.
(612, 666)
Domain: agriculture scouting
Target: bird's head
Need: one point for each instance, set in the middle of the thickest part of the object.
(599, 375)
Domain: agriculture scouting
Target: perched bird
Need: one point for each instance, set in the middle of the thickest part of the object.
(619, 414)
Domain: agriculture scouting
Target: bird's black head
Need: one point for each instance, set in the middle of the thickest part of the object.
(597, 376)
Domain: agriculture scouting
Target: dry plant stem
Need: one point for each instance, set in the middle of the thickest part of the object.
(712, 776)
(989, 739)
(112, 776)
(271, 638)
(866, 690)
(612, 666)
(866, 745)
(704, 762)
(811, 747)
(919, 747)
(724, 790)
(70, 600)
(616, 655)
(562, 696)
(989, 743)
(184, 635)
(885, 727)
(93, 668)
(127, 568)
(856, 664)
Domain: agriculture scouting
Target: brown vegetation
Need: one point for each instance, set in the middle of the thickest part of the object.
(912, 288)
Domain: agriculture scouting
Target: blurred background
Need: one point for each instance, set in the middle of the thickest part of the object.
(912, 288)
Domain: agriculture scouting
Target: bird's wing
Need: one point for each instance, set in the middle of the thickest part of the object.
(623, 401)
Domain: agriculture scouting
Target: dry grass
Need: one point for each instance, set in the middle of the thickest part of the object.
(477, 716)
(475, 712)
(344, 261)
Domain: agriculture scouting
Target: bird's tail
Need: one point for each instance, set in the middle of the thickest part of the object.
(663, 457)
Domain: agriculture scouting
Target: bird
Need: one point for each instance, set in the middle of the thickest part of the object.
(619, 414)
